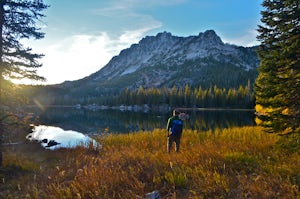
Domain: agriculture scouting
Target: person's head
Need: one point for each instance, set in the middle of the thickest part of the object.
(176, 112)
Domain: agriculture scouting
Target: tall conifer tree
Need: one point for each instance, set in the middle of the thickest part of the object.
(277, 87)
(18, 20)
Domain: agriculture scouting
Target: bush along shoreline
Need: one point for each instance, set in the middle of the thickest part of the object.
(240, 162)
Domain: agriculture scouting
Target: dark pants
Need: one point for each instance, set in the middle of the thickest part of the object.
(172, 139)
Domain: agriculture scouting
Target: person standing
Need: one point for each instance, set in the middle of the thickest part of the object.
(174, 129)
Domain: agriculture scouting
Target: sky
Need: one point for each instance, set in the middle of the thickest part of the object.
(81, 36)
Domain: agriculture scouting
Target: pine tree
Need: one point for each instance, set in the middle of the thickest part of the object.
(277, 87)
(18, 20)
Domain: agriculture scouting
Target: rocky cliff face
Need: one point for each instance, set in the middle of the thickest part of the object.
(167, 60)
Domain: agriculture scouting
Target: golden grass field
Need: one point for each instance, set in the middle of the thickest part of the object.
(230, 163)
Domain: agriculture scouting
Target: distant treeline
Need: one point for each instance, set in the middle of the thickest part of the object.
(187, 96)
(241, 97)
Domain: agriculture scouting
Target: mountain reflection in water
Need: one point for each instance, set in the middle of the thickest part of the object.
(116, 121)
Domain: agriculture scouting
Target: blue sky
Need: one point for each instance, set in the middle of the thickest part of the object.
(83, 35)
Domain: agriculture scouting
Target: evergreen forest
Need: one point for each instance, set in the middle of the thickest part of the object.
(187, 96)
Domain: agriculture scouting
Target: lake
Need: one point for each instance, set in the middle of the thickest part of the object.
(117, 121)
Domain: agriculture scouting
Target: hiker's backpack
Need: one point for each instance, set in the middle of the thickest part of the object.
(176, 128)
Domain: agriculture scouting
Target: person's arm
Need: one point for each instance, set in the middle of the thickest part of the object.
(169, 125)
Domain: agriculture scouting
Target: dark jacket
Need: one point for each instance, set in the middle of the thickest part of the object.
(170, 122)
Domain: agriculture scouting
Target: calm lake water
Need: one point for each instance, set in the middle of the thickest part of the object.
(116, 121)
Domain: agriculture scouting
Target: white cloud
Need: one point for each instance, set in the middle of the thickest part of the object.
(123, 17)
(74, 57)
(134, 35)
(248, 39)
(115, 6)
(81, 55)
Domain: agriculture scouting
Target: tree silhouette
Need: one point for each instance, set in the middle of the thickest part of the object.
(18, 20)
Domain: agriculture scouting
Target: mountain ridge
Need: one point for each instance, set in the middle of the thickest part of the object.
(165, 60)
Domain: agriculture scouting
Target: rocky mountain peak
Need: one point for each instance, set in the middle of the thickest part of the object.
(210, 36)
(165, 60)
(159, 42)
(164, 35)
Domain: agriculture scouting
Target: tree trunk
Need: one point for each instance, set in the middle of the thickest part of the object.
(2, 2)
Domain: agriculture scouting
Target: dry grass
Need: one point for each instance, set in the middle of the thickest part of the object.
(230, 163)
